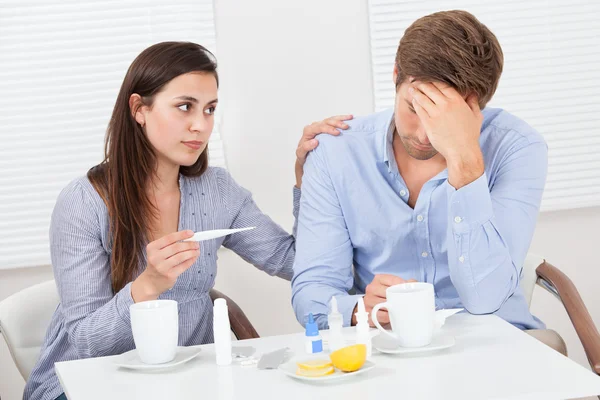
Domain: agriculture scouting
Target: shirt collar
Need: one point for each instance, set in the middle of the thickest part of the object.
(387, 153)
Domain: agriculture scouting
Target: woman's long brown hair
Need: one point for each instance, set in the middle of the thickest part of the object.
(129, 160)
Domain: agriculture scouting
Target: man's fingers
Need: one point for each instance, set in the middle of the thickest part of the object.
(446, 89)
(432, 92)
(389, 280)
(383, 317)
(423, 116)
(372, 300)
(377, 291)
(420, 99)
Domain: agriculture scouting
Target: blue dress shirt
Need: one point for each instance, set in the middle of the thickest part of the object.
(469, 243)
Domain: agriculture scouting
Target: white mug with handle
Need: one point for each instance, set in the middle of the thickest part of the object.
(155, 328)
(411, 307)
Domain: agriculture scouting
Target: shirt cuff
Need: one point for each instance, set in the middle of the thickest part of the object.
(470, 206)
(297, 193)
(346, 306)
(124, 300)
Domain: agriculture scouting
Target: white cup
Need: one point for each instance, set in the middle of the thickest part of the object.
(155, 327)
(411, 307)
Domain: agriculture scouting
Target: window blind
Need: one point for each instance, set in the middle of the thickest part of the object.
(61, 66)
(551, 78)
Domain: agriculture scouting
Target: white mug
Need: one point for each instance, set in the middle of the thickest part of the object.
(155, 327)
(411, 307)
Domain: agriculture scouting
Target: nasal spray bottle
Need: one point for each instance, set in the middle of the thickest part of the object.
(313, 340)
(363, 334)
(335, 321)
(222, 332)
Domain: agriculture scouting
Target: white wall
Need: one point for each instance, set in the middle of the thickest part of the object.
(282, 66)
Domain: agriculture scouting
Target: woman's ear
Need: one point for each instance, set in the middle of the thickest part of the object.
(136, 108)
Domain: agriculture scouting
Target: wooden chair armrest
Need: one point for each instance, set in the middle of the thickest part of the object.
(557, 283)
(240, 324)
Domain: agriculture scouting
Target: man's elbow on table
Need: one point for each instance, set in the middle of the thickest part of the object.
(304, 302)
(484, 304)
(300, 304)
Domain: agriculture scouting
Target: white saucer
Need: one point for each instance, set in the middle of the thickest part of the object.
(386, 344)
(131, 360)
(290, 367)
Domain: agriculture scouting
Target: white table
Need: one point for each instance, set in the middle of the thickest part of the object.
(491, 360)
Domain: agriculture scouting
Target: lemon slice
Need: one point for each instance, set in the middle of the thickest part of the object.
(315, 373)
(314, 364)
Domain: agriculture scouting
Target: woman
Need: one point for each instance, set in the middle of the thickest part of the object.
(116, 234)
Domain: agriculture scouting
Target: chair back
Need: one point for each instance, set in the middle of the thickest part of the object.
(529, 275)
(24, 319)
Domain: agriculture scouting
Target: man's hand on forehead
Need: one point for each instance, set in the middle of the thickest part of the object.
(452, 125)
(430, 87)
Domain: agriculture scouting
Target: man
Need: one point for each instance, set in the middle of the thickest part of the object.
(435, 190)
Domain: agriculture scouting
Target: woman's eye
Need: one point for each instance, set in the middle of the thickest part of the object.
(184, 107)
(210, 110)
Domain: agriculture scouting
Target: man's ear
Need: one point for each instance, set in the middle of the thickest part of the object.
(136, 107)
(395, 75)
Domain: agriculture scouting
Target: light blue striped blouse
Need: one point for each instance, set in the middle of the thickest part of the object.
(91, 321)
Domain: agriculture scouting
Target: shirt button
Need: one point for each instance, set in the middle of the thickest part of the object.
(403, 192)
(461, 259)
(419, 218)
(424, 254)
(458, 220)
